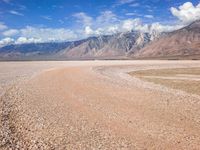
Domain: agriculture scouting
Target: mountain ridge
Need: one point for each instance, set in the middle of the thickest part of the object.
(182, 42)
(120, 44)
(132, 44)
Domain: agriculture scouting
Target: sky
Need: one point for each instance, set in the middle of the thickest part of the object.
(27, 21)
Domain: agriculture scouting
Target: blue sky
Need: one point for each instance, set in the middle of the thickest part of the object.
(64, 20)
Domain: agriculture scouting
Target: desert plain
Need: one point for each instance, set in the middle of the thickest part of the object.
(119, 104)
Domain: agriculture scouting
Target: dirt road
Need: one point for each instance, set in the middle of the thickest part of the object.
(97, 105)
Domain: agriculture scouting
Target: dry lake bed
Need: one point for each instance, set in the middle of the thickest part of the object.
(100, 105)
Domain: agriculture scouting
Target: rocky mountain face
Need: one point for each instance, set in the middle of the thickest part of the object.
(182, 42)
(117, 45)
(121, 44)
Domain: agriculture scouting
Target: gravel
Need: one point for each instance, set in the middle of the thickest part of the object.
(94, 105)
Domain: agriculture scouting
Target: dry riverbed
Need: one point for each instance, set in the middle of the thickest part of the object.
(99, 105)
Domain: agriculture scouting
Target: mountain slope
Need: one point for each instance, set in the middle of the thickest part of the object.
(182, 42)
(121, 44)
(106, 46)
(32, 49)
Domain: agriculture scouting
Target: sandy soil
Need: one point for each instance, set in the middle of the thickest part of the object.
(94, 105)
(186, 79)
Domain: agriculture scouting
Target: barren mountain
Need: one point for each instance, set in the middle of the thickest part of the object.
(182, 42)
(109, 46)
(121, 44)
(30, 50)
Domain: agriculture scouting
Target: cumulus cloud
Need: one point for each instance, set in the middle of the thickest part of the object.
(16, 13)
(105, 23)
(36, 35)
(138, 25)
(20, 40)
(187, 12)
(163, 28)
(88, 30)
(130, 24)
(10, 32)
(109, 23)
(6, 41)
(23, 40)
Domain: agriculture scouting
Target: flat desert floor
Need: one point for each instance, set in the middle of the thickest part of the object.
(100, 105)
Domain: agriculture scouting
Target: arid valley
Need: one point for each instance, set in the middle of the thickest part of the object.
(99, 75)
(99, 105)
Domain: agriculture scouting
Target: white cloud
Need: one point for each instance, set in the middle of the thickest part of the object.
(48, 34)
(105, 23)
(16, 13)
(36, 35)
(187, 12)
(83, 18)
(137, 25)
(149, 16)
(20, 40)
(10, 32)
(6, 41)
(113, 29)
(23, 40)
(131, 14)
(3, 26)
(163, 28)
(88, 30)
(109, 23)
(130, 24)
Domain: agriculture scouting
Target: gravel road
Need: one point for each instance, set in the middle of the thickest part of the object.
(94, 105)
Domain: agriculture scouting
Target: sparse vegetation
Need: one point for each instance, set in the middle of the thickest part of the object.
(186, 79)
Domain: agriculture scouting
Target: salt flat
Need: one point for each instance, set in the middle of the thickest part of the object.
(94, 105)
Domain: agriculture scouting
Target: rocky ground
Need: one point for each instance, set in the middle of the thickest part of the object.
(94, 105)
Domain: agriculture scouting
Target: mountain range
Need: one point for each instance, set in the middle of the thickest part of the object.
(180, 43)
(134, 44)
